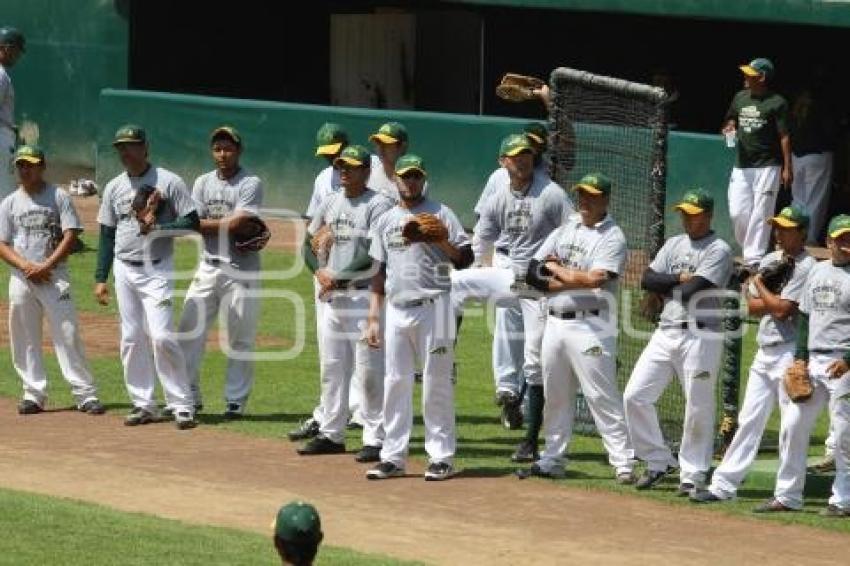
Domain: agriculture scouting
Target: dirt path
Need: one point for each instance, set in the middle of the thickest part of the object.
(212, 477)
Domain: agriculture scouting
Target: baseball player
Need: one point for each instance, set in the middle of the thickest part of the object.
(344, 288)
(391, 142)
(823, 346)
(520, 215)
(142, 246)
(412, 283)
(297, 533)
(12, 44)
(227, 279)
(578, 267)
(689, 271)
(508, 330)
(758, 117)
(38, 230)
(776, 342)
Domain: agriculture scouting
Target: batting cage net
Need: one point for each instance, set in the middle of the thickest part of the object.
(619, 128)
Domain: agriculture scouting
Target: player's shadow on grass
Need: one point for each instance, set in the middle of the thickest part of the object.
(284, 419)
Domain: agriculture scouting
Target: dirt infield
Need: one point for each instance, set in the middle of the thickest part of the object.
(211, 477)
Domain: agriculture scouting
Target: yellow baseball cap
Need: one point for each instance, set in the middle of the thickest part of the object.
(29, 154)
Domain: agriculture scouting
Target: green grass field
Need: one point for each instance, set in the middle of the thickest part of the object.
(48, 530)
(286, 392)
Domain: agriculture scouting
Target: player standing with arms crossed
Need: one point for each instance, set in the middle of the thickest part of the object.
(143, 283)
(688, 343)
(38, 230)
(12, 44)
(344, 285)
(578, 267)
(776, 340)
(412, 283)
(227, 278)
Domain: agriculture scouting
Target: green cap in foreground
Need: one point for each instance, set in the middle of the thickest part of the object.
(298, 521)
(695, 201)
(391, 132)
(30, 154)
(228, 132)
(130, 133)
(839, 225)
(514, 144)
(354, 155)
(790, 217)
(758, 66)
(330, 138)
(594, 184)
(409, 162)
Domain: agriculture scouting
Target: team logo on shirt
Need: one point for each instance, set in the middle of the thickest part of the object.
(395, 241)
(750, 120)
(518, 220)
(218, 209)
(572, 255)
(826, 296)
(684, 264)
(37, 221)
(344, 228)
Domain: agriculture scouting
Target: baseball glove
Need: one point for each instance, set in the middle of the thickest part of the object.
(776, 275)
(141, 199)
(798, 384)
(424, 227)
(651, 305)
(321, 243)
(518, 88)
(252, 235)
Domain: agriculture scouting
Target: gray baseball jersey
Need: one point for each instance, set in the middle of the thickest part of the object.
(520, 222)
(499, 178)
(773, 331)
(709, 257)
(216, 198)
(414, 270)
(350, 219)
(7, 100)
(826, 299)
(115, 211)
(327, 182)
(31, 223)
(379, 182)
(583, 248)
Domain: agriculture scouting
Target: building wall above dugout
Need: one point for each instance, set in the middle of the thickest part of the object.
(832, 13)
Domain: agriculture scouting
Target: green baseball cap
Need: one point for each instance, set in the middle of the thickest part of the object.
(594, 184)
(838, 225)
(12, 36)
(537, 132)
(298, 521)
(355, 155)
(695, 201)
(515, 144)
(330, 139)
(409, 162)
(790, 217)
(30, 154)
(130, 133)
(391, 132)
(228, 132)
(758, 67)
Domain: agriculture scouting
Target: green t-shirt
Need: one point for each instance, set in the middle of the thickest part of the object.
(760, 121)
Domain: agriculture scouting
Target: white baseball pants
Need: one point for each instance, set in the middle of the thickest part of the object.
(752, 198)
(425, 333)
(577, 353)
(508, 339)
(801, 417)
(764, 389)
(694, 356)
(811, 188)
(8, 181)
(149, 347)
(217, 291)
(28, 304)
(344, 349)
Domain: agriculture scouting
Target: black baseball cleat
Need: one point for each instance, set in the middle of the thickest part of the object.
(369, 454)
(835, 512)
(556, 473)
(384, 471)
(27, 407)
(511, 409)
(321, 445)
(525, 452)
(306, 430)
(651, 477)
(773, 506)
(139, 416)
(439, 471)
(93, 407)
(703, 496)
(233, 412)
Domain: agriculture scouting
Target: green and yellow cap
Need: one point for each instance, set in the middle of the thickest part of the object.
(838, 225)
(695, 201)
(330, 139)
(536, 132)
(130, 133)
(298, 521)
(790, 217)
(354, 155)
(228, 132)
(409, 162)
(594, 184)
(758, 67)
(12, 36)
(30, 154)
(391, 132)
(515, 144)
